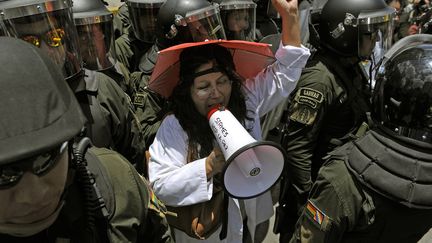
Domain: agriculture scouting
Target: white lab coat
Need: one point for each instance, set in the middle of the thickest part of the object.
(178, 183)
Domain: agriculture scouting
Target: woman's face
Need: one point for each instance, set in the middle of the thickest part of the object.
(210, 89)
(34, 198)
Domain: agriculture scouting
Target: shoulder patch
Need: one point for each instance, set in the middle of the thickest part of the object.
(317, 215)
(303, 114)
(309, 97)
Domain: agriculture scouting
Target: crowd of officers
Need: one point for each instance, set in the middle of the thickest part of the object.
(358, 148)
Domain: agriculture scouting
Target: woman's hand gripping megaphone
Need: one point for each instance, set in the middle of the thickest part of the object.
(215, 162)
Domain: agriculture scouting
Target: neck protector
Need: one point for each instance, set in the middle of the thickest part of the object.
(400, 173)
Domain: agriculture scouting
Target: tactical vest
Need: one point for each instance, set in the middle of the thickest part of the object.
(397, 180)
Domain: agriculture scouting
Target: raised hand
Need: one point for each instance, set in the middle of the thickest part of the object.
(288, 10)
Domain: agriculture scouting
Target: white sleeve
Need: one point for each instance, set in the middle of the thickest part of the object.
(278, 80)
(174, 181)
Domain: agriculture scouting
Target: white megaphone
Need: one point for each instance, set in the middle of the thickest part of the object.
(253, 167)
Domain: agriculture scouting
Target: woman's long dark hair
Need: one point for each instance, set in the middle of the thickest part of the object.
(196, 125)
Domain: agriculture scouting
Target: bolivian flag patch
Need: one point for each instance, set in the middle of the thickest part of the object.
(317, 215)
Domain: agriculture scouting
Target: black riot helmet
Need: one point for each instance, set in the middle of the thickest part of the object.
(351, 28)
(39, 110)
(183, 21)
(47, 24)
(402, 100)
(143, 16)
(95, 29)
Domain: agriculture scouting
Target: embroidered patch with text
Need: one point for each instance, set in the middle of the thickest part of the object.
(309, 97)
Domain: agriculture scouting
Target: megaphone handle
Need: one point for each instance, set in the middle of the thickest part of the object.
(224, 230)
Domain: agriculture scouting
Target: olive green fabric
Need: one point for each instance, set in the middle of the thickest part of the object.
(134, 212)
(121, 75)
(342, 209)
(138, 216)
(328, 104)
(151, 108)
(112, 122)
(129, 51)
(121, 21)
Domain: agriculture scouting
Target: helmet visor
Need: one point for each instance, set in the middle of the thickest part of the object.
(239, 19)
(143, 17)
(375, 34)
(53, 32)
(205, 24)
(95, 44)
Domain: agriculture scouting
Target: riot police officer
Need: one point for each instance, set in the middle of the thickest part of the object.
(140, 35)
(379, 187)
(49, 25)
(55, 190)
(94, 25)
(332, 96)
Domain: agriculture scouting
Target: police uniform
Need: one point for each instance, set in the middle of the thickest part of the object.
(134, 212)
(150, 107)
(121, 75)
(372, 190)
(121, 21)
(112, 122)
(329, 103)
(130, 50)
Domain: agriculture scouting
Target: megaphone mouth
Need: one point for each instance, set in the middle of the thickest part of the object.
(252, 167)
(271, 157)
(218, 107)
